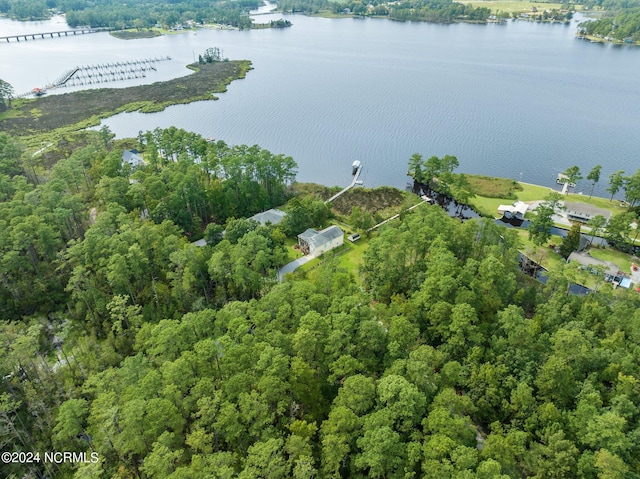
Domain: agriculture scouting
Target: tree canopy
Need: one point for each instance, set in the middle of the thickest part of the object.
(437, 358)
(6, 94)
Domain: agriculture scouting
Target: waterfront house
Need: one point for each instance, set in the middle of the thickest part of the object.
(584, 212)
(315, 243)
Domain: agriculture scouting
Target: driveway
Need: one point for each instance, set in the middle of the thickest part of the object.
(289, 267)
(558, 218)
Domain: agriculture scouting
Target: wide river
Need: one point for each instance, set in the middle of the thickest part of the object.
(521, 100)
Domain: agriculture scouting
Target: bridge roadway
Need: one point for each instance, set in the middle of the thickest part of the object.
(33, 36)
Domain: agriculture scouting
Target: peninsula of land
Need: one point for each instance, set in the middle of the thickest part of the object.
(82, 109)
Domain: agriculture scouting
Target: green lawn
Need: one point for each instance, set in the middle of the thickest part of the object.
(544, 255)
(614, 205)
(349, 256)
(623, 260)
(353, 257)
(293, 254)
(489, 206)
(511, 6)
(311, 264)
(493, 187)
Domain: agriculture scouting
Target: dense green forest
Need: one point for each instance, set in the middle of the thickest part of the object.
(145, 14)
(622, 26)
(188, 184)
(436, 11)
(436, 359)
(134, 13)
(620, 22)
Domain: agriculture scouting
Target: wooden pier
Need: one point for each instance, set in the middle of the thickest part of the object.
(355, 182)
(107, 72)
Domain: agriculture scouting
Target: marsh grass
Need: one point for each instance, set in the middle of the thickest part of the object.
(492, 187)
(133, 34)
(81, 109)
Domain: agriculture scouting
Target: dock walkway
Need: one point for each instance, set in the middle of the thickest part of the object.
(353, 183)
(100, 73)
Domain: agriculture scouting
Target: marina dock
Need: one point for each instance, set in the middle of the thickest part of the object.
(100, 73)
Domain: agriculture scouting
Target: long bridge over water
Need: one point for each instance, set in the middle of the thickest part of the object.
(63, 33)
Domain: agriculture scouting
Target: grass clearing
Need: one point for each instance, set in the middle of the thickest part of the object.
(486, 204)
(493, 187)
(543, 255)
(353, 258)
(515, 6)
(621, 259)
(292, 253)
(532, 192)
(614, 206)
(348, 256)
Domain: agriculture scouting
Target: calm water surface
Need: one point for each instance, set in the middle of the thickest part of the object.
(521, 100)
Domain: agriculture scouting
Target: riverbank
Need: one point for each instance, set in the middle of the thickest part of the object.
(382, 202)
(515, 6)
(492, 192)
(606, 40)
(350, 255)
(501, 11)
(55, 114)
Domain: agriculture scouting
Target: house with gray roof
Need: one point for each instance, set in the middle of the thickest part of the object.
(272, 216)
(584, 212)
(610, 270)
(593, 264)
(132, 157)
(314, 243)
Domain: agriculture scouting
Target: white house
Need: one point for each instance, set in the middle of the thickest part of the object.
(517, 209)
(314, 243)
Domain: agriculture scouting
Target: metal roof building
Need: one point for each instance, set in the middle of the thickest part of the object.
(315, 243)
(272, 216)
(584, 212)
